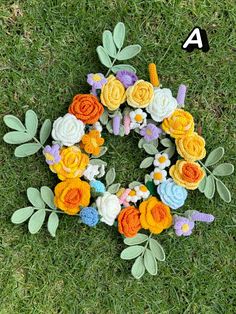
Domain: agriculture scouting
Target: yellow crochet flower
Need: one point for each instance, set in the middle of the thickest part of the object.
(187, 174)
(72, 164)
(179, 124)
(91, 142)
(191, 147)
(113, 93)
(140, 95)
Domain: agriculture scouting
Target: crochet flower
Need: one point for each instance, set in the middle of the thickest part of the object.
(122, 195)
(129, 221)
(161, 161)
(132, 197)
(91, 142)
(138, 119)
(179, 124)
(96, 80)
(71, 194)
(91, 172)
(108, 207)
(98, 186)
(52, 154)
(172, 194)
(155, 215)
(183, 226)
(140, 95)
(127, 78)
(187, 174)
(86, 108)
(68, 130)
(72, 164)
(191, 147)
(97, 126)
(163, 104)
(89, 216)
(142, 191)
(113, 93)
(158, 175)
(202, 217)
(150, 132)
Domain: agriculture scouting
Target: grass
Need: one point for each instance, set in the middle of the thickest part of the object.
(47, 48)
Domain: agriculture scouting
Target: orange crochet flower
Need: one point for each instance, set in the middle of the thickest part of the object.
(129, 221)
(86, 108)
(71, 194)
(91, 142)
(155, 215)
(187, 174)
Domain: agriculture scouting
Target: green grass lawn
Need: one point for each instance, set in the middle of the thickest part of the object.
(47, 48)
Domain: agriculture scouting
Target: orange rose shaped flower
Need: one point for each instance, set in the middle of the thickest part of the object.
(129, 221)
(86, 108)
(71, 194)
(155, 215)
(187, 174)
(91, 142)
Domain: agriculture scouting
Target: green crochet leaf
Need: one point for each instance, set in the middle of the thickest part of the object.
(150, 149)
(36, 221)
(104, 118)
(139, 238)
(31, 122)
(224, 169)
(166, 142)
(97, 162)
(152, 188)
(157, 250)
(170, 151)
(119, 34)
(110, 176)
(134, 184)
(150, 262)
(21, 215)
(27, 149)
(53, 222)
(132, 252)
(147, 162)
(104, 57)
(147, 178)
(214, 156)
(202, 184)
(138, 268)
(45, 131)
(109, 127)
(128, 52)
(13, 123)
(114, 188)
(223, 191)
(16, 137)
(103, 151)
(141, 142)
(120, 67)
(122, 131)
(35, 198)
(108, 43)
(209, 189)
(47, 196)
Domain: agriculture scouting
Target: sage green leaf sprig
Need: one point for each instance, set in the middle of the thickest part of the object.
(23, 134)
(110, 178)
(112, 50)
(146, 255)
(211, 181)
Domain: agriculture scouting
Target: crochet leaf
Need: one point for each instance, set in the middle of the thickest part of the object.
(119, 34)
(170, 151)
(166, 142)
(114, 188)
(141, 142)
(150, 262)
(108, 43)
(147, 162)
(202, 184)
(21, 215)
(224, 169)
(157, 250)
(27, 149)
(110, 176)
(36, 221)
(138, 268)
(223, 191)
(209, 189)
(147, 178)
(214, 156)
(109, 126)
(97, 162)
(120, 67)
(151, 187)
(31, 122)
(103, 151)
(53, 222)
(45, 131)
(104, 118)
(13, 123)
(47, 196)
(128, 52)
(150, 149)
(104, 57)
(35, 198)
(17, 137)
(132, 252)
(134, 184)
(139, 238)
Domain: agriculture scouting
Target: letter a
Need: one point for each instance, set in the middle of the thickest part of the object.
(195, 40)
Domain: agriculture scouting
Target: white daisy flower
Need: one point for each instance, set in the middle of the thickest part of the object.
(142, 191)
(161, 161)
(158, 175)
(132, 197)
(138, 119)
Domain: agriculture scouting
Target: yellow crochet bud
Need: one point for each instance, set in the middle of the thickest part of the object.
(153, 74)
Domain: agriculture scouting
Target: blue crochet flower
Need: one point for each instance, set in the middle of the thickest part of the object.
(89, 216)
(98, 186)
(172, 194)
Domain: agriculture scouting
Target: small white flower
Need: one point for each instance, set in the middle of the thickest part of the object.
(138, 119)
(108, 207)
(68, 130)
(97, 126)
(101, 170)
(132, 197)
(142, 191)
(158, 175)
(91, 171)
(161, 161)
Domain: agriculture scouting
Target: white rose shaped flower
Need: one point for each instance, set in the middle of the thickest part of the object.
(108, 207)
(68, 130)
(163, 104)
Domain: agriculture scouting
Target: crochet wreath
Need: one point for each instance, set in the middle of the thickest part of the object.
(121, 102)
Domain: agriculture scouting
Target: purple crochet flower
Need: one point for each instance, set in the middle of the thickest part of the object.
(96, 81)
(127, 78)
(52, 154)
(150, 132)
(198, 216)
(183, 226)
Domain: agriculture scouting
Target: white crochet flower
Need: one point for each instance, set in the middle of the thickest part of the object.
(161, 161)
(97, 126)
(68, 130)
(108, 207)
(91, 171)
(138, 119)
(142, 191)
(132, 197)
(158, 175)
(163, 104)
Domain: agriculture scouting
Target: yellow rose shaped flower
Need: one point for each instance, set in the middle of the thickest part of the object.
(71, 194)
(113, 93)
(72, 164)
(140, 95)
(155, 215)
(179, 124)
(187, 174)
(191, 147)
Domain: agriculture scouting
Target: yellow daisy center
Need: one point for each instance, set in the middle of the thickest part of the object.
(97, 77)
(185, 228)
(157, 176)
(143, 188)
(148, 132)
(162, 159)
(138, 118)
(49, 156)
(132, 193)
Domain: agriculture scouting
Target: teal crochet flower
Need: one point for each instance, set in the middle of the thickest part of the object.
(89, 216)
(98, 186)
(172, 194)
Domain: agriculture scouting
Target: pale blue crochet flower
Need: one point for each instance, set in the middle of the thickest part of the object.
(172, 194)
(89, 216)
(98, 186)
